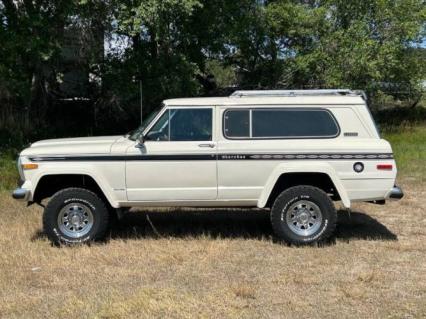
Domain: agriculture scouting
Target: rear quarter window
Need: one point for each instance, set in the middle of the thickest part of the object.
(280, 123)
(237, 123)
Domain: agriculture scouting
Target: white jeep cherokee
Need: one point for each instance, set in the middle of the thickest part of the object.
(292, 152)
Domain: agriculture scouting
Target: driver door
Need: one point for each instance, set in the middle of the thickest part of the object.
(177, 161)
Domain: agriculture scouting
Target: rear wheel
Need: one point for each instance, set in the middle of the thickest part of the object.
(303, 215)
(75, 215)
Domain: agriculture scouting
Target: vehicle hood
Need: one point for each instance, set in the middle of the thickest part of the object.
(65, 146)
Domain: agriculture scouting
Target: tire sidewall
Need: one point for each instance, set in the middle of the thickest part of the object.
(285, 201)
(65, 198)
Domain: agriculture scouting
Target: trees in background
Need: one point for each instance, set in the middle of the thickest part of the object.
(195, 47)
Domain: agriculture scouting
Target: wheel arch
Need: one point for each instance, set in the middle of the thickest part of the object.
(49, 184)
(287, 175)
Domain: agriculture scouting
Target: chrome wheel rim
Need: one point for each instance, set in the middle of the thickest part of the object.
(75, 220)
(304, 218)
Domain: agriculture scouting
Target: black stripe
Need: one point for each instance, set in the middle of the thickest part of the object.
(112, 158)
(209, 157)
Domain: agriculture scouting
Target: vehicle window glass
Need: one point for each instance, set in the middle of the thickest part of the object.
(160, 130)
(275, 123)
(191, 124)
(133, 135)
(237, 123)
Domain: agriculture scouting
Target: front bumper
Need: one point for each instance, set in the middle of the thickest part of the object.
(21, 194)
(395, 193)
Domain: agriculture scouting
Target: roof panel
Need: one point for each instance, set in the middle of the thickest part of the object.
(268, 100)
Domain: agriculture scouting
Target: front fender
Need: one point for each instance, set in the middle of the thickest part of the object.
(296, 167)
(99, 180)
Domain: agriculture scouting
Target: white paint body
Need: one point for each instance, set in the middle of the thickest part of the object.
(211, 183)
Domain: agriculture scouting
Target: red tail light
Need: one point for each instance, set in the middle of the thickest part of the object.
(384, 167)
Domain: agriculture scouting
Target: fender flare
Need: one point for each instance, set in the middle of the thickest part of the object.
(101, 186)
(305, 167)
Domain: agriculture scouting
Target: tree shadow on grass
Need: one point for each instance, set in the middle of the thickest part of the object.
(231, 223)
(234, 223)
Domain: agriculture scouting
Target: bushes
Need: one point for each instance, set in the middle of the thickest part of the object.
(8, 171)
(394, 118)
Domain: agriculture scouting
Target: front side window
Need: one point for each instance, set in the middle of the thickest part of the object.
(160, 130)
(133, 135)
(279, 123)
(189, 124)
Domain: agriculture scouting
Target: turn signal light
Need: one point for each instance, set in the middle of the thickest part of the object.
(29, 166)
(385, 167)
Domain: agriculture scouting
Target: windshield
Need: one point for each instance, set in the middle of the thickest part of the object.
(133, 135)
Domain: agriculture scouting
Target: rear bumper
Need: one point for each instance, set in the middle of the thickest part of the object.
(395, 193)
(21, 194)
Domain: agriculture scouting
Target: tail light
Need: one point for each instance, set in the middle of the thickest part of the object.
(384, 167)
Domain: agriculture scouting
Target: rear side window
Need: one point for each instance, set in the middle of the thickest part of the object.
(281, 123)
(293, 123)
(237, 123)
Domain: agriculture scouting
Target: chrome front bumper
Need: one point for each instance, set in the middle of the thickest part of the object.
(21, 194)
(395, 193)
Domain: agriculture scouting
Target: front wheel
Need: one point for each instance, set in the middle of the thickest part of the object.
(303, 215)
(75, 215)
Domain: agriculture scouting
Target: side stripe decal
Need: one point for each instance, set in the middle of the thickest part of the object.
(210, 157)
(312, 156)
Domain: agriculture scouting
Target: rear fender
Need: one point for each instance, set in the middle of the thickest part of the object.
(304, 167)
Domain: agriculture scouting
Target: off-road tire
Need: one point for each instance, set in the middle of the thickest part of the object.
(290, 198)
(79, 196)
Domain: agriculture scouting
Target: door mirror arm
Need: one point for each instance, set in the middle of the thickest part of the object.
(141, 141)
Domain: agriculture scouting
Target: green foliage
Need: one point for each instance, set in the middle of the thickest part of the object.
(8, 171)
(405, 129)
(224, 75)
(353, 44)
(409, 147)
(175, 46)
(156, 16)
(30, 37)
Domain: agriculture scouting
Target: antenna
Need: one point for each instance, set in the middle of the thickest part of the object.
(140, 91)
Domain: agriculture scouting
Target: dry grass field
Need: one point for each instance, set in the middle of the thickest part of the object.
(218, 264)
(224, 263)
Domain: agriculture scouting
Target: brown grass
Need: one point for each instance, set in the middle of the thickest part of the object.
(218, 264)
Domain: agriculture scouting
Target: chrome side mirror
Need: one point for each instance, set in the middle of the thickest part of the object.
(141, 141)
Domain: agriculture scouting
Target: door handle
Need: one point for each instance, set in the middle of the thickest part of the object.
(211, 145)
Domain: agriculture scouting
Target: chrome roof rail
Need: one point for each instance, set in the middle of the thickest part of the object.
(277, 93)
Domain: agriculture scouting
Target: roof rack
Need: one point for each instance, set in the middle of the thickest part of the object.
(255, 93)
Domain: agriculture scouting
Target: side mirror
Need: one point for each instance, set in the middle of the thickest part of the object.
(141, 141)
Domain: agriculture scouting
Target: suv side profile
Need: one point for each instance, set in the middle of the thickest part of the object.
(292, 153)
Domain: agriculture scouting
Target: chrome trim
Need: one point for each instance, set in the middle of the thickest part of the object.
(20, 170)
(21, 194)
(211, 145)
(241, 93)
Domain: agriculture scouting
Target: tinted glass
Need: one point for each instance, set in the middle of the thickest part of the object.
(190, 124)
(237, 123)
(293, 123)
(160, 130)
